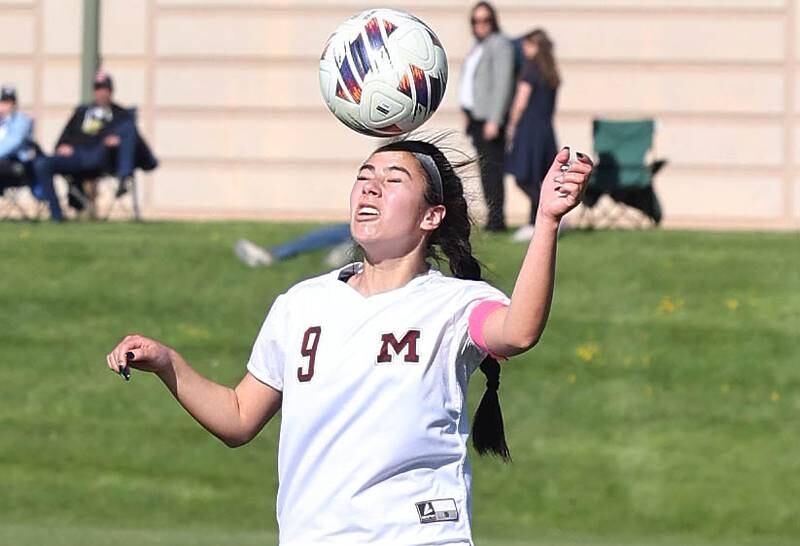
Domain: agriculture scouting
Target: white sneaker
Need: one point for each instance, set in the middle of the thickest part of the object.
(340, 255)
(252, 254)
(523, 234)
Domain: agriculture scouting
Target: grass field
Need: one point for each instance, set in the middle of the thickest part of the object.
(661, 407)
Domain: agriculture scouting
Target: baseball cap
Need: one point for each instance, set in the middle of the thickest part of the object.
(103, 80)
(8, 93)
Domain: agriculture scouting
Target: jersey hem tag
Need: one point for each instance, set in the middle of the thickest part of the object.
(432, 511)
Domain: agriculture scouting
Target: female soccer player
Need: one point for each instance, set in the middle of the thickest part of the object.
(369, 364)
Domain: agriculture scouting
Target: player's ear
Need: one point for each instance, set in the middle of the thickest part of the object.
(433, 218)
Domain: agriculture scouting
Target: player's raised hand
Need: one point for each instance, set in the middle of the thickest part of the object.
(140, 352)
(564, 184)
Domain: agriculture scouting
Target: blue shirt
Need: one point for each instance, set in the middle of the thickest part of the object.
(15, 134)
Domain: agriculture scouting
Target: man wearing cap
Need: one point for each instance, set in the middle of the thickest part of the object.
(18, 158)
(99, 137)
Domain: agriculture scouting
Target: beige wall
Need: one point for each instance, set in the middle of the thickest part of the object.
(229, 98)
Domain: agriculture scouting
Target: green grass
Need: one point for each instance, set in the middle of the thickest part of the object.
(660, 408)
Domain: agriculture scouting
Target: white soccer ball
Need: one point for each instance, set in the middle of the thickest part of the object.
(383, 72)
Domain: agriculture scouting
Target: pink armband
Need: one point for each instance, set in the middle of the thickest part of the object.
(477, 320)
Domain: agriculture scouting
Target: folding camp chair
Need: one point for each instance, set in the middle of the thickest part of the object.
(623, 174)
(16, 195)
(99, 192)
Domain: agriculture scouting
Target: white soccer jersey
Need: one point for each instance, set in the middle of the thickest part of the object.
(373, 440)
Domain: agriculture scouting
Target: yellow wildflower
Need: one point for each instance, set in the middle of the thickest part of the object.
(627, 361)
(669, 305)
(587, 352)
(194, 331)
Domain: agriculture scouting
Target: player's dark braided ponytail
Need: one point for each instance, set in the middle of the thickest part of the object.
(452, 238)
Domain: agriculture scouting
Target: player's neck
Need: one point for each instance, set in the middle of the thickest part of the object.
(387, 274)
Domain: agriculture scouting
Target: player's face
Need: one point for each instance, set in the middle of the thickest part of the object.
(389, 216)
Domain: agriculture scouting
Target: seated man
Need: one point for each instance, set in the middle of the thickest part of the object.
(100, 137)
(18, 153)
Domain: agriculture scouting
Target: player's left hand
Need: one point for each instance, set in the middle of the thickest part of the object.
(142, 353)
(562, 190)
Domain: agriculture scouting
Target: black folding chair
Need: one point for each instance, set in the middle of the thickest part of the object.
(99, 194)
(17, 200)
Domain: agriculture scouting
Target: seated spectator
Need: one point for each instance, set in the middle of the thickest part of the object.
(18, 154)
(100, 137)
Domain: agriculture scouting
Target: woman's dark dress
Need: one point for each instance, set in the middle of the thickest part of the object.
(534, 144)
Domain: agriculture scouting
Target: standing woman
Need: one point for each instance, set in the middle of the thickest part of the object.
(369, 363)
(530, 135)
(487, 84)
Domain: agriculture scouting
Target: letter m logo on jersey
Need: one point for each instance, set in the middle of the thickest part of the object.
(406, 347)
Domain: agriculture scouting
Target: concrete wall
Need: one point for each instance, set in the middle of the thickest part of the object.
(229, 98)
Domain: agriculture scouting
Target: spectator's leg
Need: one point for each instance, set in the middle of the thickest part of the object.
(525, 233)
(340, 255)
(492, 170)
(41, 171)
(491, 157)
(42, 174)
(91, 159)
(314, 240)
(84, 162)
(252, 254)
(76, 199)
(535, 192)
(125, 153)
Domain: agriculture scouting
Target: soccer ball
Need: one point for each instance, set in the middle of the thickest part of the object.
(383, 72)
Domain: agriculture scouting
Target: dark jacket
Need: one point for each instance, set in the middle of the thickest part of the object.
(89, 130)
(85, 129)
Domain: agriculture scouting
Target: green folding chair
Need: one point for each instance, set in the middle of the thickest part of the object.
(622, 172)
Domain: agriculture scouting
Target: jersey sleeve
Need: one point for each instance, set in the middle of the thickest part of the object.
(479, 298)
(269, 354)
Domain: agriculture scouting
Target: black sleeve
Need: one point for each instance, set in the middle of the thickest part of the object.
(530, 73)
(120, 115)
(73, 128)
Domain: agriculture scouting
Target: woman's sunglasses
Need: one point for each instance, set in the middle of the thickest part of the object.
(478, 20)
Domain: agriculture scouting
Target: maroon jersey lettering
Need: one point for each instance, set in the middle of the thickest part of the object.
(408, 344)
(309, 349)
